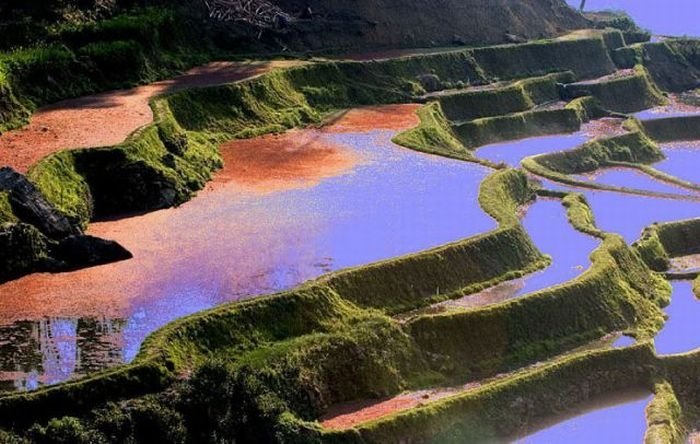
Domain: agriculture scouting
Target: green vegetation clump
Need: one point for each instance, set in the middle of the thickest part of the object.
(626, 94)
(433, 135)
(661, 242)
(489, 130)
(7, 214)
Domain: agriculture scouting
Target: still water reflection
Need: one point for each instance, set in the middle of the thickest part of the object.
(284, 210)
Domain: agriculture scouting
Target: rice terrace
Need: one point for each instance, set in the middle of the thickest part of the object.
(334, 221)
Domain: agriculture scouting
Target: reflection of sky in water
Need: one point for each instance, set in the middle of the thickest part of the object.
(664, 112)
(624, 341)
(680, 333)
(550, 230)
(627, 215)
(681, 162)
(235, 245)
(513, 152)
(623, 423)
(630, 178)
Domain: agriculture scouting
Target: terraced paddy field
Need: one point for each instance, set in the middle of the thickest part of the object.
(478, 245)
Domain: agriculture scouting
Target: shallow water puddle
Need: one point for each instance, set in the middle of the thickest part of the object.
(551, 232)
(675, 108)
(628, 215)
(513, 152)
(285, 209)
(681, 161)
(611, 420)
(632, 179)
(680, 333)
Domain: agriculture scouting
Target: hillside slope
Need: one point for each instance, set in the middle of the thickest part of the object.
(384, 23)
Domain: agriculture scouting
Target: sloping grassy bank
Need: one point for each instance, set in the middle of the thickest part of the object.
(74, 60)
(502, 409)
(489, 130)
(626, 94)
(673, 129)
(661, 242)
(673, 64)
(516, 97)
(617, 292)
(152, 169)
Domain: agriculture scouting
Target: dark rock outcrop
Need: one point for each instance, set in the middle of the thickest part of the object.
(85, 251)
(31, 207)
(44, 239)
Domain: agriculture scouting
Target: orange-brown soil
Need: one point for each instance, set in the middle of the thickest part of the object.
(606, 127)
(345, 416)
(294, 159)
(108, 118)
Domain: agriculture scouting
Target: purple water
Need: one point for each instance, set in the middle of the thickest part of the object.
(624, 341)
(665, 112)
(667, 17)
(550, 230)
(680, 334)
(681, 161)
(628, 215)
(512, 153)
(631, 178)
(622, 422)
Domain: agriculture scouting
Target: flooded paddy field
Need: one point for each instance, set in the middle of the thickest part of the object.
(283, 210)
(618, 419)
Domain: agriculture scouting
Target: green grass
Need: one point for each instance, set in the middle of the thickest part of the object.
(7, 215)
(433, 135)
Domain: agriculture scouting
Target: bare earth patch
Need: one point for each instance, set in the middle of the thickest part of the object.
(108, 118)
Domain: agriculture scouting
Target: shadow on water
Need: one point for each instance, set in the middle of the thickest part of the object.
(547, 224)
(611, 419)
(680, 333)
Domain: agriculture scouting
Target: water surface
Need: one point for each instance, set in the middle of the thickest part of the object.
(285, 209)
(614, 420)
(549, 228)
(680, 333)
(681, 161)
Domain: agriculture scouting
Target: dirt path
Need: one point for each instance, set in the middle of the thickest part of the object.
(108, 118)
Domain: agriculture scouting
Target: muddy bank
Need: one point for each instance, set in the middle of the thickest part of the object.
(108, 118)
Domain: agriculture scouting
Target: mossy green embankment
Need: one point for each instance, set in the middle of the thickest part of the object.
(282, 351)
(625, 94)
(672, 129)
(433, 135)
(661, 242)
(277, 359)
(673, 64)
(664, 416)
(507, 408)
(163, 164)
(499, 100)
